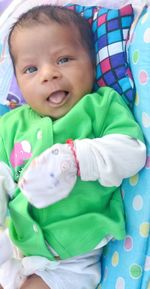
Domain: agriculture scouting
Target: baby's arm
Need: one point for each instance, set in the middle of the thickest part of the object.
(119, 152)
(10, 263)
(7, 186)
(110, 159)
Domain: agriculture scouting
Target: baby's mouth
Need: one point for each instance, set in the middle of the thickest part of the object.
(57, 97)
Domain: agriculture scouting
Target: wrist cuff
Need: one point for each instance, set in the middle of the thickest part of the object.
(72, 147)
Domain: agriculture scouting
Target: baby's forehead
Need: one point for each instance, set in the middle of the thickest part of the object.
(79, 30)
(27, 26)
(54, 36)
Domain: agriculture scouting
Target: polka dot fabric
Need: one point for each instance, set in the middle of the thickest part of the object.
(127, 263)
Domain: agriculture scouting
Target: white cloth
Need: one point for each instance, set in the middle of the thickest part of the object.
(7, 186)
(79, 272)
(11, 274)
(110, 158)
(50, 177)
(6, 249)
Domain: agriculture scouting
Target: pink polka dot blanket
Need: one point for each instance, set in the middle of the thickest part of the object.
(125, 264)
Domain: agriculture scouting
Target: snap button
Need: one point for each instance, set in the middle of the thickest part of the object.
(35, 228)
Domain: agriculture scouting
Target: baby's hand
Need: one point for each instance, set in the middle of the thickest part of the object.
(50, 177)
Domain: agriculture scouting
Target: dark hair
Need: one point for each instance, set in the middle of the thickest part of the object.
(61, 15)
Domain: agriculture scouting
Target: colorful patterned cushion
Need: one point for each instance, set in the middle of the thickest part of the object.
(111, 29)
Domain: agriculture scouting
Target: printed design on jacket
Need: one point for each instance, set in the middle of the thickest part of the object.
(20, 153)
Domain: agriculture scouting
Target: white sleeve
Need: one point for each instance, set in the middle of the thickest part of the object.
(8, 249)
(110, 159)
(7, 186)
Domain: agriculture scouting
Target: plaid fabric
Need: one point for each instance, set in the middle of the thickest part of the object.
(111, 29)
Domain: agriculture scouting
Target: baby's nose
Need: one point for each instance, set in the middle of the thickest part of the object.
(49, 73)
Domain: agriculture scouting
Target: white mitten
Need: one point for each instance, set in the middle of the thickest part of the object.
(50, 177)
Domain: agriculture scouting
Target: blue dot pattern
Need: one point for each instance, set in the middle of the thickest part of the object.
(127, 263)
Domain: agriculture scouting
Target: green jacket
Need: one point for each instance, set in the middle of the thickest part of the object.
(76, 224)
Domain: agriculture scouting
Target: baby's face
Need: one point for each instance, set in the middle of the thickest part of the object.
(53, 69)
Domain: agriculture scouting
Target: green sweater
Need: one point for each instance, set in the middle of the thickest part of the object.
(76, 224)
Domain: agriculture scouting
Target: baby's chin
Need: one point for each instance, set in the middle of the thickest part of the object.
(55, 112)
(53, 116)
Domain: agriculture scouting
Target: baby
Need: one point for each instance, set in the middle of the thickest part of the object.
(63, 156)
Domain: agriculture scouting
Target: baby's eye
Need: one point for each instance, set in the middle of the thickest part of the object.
(30, 69)
(63, 60)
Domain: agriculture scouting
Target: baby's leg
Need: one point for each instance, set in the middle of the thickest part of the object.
(34, 282)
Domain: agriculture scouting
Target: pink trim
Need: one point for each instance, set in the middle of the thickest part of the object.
(71, 144)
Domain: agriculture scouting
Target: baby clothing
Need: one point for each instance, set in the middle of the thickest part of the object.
(104, 132)
(57, 167)
(78, 272)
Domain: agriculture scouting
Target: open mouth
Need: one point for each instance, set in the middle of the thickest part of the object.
(57, 97)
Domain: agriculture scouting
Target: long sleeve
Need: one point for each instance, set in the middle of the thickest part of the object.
(110, 159)
(7, 186)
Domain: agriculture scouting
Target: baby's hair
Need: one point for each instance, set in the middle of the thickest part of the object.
(61, 15)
